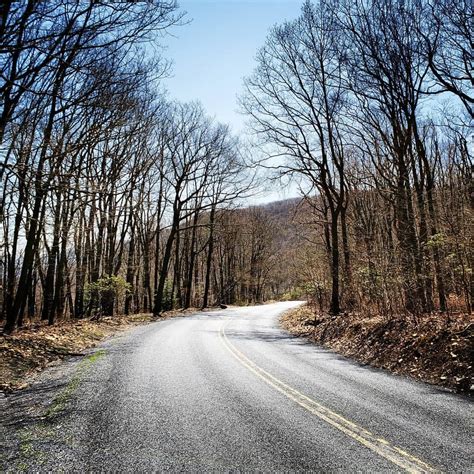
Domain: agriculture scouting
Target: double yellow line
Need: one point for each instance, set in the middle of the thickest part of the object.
(379, 445)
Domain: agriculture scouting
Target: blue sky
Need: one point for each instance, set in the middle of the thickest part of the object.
(216, 50)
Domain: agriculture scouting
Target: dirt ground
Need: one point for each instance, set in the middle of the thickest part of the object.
(435, 348)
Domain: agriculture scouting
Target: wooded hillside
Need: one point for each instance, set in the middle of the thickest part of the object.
(369, 106)
(116, 199)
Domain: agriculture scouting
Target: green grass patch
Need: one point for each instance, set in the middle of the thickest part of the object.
(27, 451)
(31, 438)
(96, 355)
(61, 400)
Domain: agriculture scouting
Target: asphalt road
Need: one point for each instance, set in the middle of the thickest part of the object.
(230, 391)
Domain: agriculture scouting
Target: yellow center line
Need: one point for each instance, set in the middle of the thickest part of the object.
(379, 445)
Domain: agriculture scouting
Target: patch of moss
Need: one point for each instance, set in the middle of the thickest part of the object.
(22, 467)
(27, 452)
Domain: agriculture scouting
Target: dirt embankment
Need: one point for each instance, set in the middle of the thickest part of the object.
(434, 348)
(31, 349)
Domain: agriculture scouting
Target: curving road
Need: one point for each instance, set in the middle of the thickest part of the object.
(230, 391)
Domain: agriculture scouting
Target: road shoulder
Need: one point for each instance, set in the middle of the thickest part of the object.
(427, 348)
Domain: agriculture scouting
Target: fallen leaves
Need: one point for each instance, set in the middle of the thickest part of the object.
(29, 350)
(433, 348)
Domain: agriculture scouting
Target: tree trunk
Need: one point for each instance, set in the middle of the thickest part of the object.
(158, 303)
(335, 303)
(130, 271)
(210, 250)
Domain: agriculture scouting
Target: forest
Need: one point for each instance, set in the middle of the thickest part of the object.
(117, 199)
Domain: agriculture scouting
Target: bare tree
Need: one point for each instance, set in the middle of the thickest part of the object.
(296, 99)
